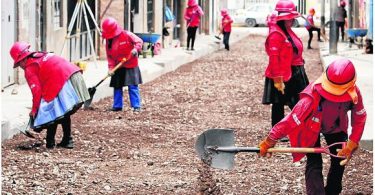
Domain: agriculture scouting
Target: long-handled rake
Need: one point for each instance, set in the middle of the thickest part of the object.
(216, 148)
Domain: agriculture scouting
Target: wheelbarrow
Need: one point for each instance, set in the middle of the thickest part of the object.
(216, 148)
(150, 39)
(353, 34)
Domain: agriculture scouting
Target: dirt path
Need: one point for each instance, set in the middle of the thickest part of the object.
(153, 152)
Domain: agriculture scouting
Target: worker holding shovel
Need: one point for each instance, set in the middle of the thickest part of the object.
(192, 16)
(58, 91)
(323, 109)
(122, 45)
(309, 25)
(285, 73)
(226, 27)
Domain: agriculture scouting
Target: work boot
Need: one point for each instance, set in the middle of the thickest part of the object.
(136, 109)
(50, 137)
(309, 47)
(66, 143)
(115, 109)
(319, 40)
(50, 144)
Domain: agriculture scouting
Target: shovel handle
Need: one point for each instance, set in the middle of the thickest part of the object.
(112, 71)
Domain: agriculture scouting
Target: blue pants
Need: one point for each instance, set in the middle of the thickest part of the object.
(134, 97)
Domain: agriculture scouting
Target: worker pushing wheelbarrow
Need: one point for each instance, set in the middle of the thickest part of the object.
(323, 108)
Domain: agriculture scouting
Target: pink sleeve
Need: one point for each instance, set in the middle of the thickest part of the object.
(358, 119)
(187, 15)
(274, 42)
(137, 42)
(111, 61)
(293, 120)
(32, 78)
(200, 11)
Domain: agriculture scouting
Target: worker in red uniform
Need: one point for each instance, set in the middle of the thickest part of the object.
(310, 26)
(58, 91)
(324, 108)
(193, 14)
(123, 45)
(226, 27)
(285, 73)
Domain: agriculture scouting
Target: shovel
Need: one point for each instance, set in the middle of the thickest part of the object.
(26, 131)
(216, 148)
(92, 90)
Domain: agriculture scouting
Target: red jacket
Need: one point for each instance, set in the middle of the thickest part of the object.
(226, 23)
(311, 116)
(297, 59)
(121, 47)
(193, 15)
(46, 74)
(279, 50)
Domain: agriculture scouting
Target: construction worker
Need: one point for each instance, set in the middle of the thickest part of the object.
(226, 27)
(285, 73)
(310, 26)
(122, 45)
(193, 14)
(323, 108)
(340, 15)
(58, 91)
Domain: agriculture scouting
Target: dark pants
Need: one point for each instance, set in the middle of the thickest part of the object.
(278, 112)
(51, 130)
(311, 35)
(191, 36)
(314, 167)
(340, 25)
(226, 36)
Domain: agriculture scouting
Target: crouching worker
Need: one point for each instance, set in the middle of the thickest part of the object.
(323, 108)
(58, 91)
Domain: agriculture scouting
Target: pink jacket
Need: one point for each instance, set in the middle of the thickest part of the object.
(121, 47)
(193, 15)
(297, 59)
(311, 22)
(46, 74)
(312, 116)
(226, 23)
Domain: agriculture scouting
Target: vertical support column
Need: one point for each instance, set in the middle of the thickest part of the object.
(182, 22)
(322, 16)
(332, 28)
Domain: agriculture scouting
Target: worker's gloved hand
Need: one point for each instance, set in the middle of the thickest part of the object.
(279, 84)
(347, 151)
(134, 52)
(265, 145)
(110, 73)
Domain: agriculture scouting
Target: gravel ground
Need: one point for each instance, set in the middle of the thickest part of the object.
(153, 152)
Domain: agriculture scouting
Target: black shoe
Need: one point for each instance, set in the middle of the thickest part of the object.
(50, 145)
(187, 49)
(66, 143)
(136, 109)
(308, 47)
(192, 49)
(115, 109)
(319, 40)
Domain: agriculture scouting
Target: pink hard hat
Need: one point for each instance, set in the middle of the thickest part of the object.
(192, 3)
(110, 28)
(338, 82)
(342, 3)
(286, 10)
(312, 11)
(19, 51)
(224, 12)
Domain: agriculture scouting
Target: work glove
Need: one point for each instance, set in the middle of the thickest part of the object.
(279, 84)
(134, 52)
(347, 151)
(265, 145)
(110, 73)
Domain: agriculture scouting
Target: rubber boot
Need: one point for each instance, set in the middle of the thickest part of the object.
(67, 140)
(50, 138)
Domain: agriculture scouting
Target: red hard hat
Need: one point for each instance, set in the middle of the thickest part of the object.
(285, 6)
(338, 81)
(312, 11)
(224, 12)
(110, 28)
(19, 51)
(342, 3)
(286, 10)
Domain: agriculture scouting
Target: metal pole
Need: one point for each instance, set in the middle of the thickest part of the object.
(92, 17)
(333, 28)
(350, 13)
(70, 27)
(183, 35)
(89, 33)
(323, 17)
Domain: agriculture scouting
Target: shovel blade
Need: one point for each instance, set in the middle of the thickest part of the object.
(87, 103)
(213, 138)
